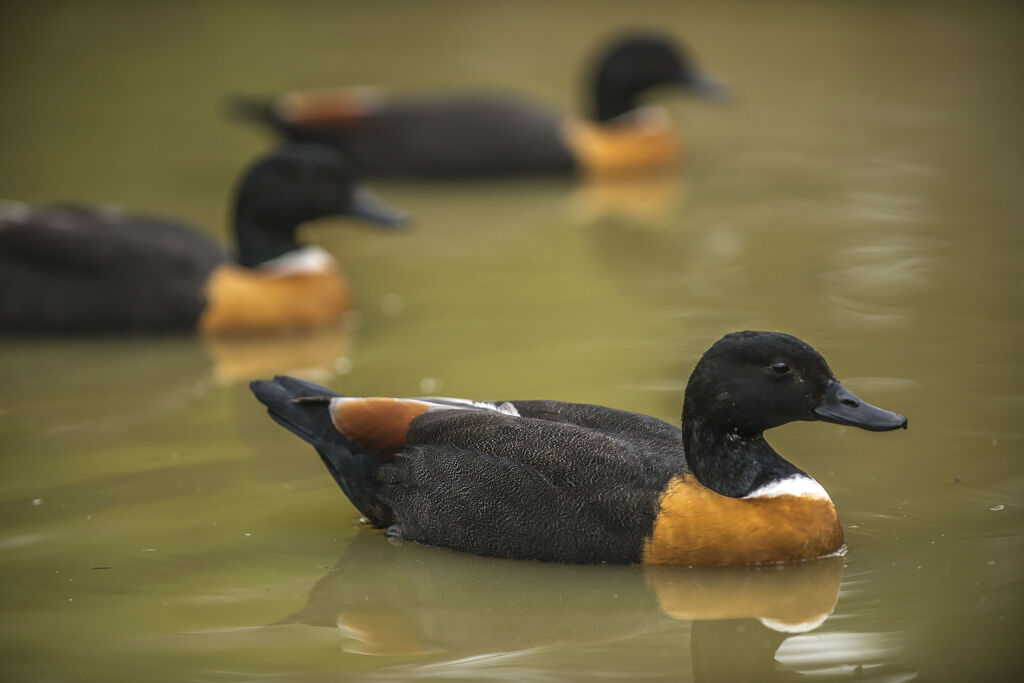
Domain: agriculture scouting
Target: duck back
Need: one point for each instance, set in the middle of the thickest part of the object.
(558, 482)
(95, 270)
(445, 136)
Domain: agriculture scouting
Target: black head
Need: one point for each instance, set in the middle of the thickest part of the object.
(295, 184)
(639, 62)
(748, 382)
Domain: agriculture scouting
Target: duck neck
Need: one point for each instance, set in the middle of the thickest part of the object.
(260, 241)
(611, 102)
(730, 462)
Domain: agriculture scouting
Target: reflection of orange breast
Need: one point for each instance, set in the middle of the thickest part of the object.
(698, 527)
(789, 596)
(246, 300)
(382, 630)
(242, 357)
(645, 143)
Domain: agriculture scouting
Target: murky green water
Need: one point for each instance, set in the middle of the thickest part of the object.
(862, 193)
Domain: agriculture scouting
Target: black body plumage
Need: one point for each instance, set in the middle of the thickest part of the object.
(563, 482)
(456, 136)
(87, 269)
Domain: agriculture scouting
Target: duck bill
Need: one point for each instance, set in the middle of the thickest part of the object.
(708, 87)
(368, 207)
(842, 406)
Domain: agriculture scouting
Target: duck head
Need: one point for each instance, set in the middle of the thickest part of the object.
(639, 62)
(292, 185)
(749, 382)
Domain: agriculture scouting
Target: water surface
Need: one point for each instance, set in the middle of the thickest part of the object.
(862, 193)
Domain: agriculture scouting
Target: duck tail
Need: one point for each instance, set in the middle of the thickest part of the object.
(252, 108)
(303, 408)
(299, 406)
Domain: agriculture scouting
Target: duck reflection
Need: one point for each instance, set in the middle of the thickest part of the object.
(648, 200)
(404, 599)
(314, 354)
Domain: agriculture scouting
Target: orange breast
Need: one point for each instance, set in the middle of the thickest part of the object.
(245, 300)
(698, 527)
(647, 144)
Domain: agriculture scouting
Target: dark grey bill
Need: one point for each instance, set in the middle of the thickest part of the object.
(708, 87)
(365, 205)
(842, 406)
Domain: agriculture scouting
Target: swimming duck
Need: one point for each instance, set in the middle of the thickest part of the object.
(484, 134)
(578, 483)
(87, 269)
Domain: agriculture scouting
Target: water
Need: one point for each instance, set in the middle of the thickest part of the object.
(862, 193)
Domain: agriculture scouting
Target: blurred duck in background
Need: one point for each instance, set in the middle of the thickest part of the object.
(84, 269)
(467, 135)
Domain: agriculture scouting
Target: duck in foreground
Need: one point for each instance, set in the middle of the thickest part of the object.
(87, 269)
(578, 483)
(466, 135)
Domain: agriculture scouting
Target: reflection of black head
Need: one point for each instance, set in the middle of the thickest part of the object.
(296, 184)
(746, 650)
(639, 62)
(734, 650)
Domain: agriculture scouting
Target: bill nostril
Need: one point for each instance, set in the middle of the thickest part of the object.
(850, 402)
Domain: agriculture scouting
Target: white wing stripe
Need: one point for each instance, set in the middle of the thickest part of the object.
(442, 402)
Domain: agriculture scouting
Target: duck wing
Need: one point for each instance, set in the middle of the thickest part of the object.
(580, 484)
(81, 268)
(443, 136)
(526, 487)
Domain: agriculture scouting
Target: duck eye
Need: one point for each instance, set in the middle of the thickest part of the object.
(780, 367)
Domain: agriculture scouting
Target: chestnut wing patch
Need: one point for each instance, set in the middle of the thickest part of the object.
(376, 425)
(324, 108)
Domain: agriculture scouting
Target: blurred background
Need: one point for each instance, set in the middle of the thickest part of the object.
(862, 192)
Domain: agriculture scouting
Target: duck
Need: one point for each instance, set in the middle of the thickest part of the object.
(585, 484)
(474, 134)
(83, 268)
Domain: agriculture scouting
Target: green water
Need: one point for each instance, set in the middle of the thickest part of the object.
(863, 193)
